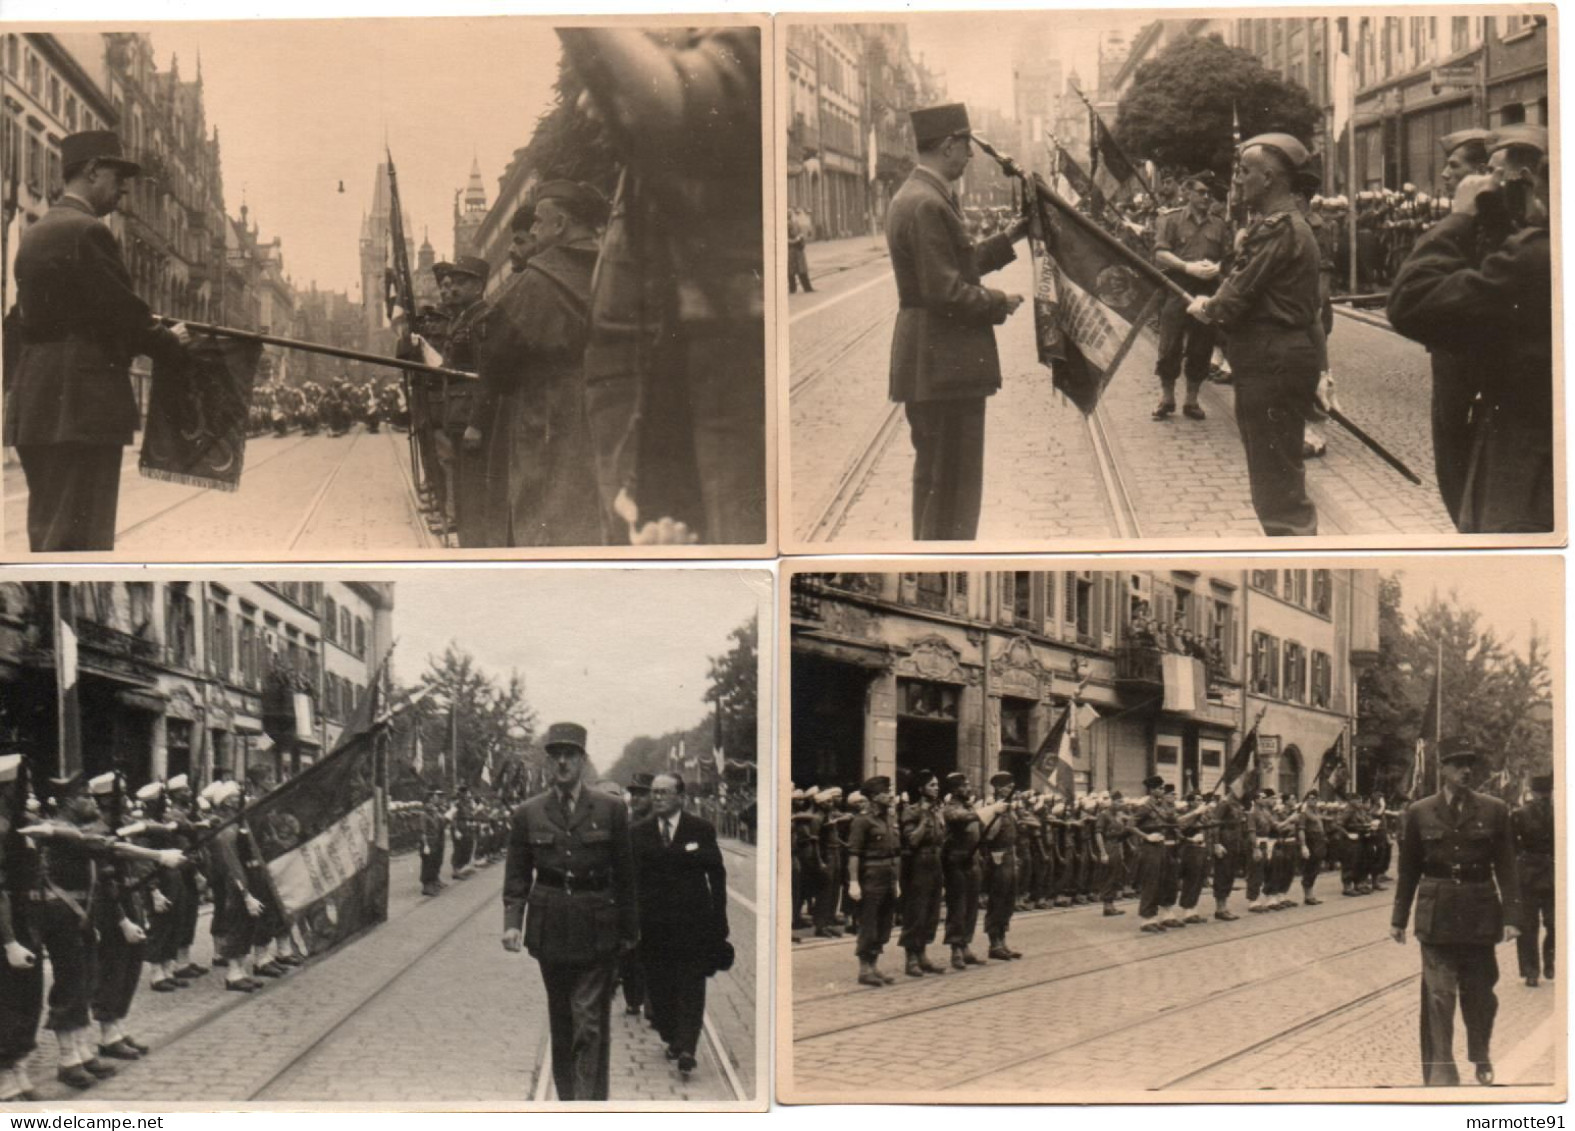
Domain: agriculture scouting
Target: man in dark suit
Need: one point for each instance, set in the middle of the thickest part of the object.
(1534, 840)
(1455, 846)
(569, 862)
(69, 407)
(682, 886)
(943, 359)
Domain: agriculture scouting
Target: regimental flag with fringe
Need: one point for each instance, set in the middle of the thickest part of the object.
(1332, 772)
(1243, 765)
(1092, 297)
(1055, 762)
(319, 837)
(196, 430)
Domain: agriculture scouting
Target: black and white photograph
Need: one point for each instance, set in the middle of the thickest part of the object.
(1108, 278)
(343, 289)
(482, 839)
(1171, 830)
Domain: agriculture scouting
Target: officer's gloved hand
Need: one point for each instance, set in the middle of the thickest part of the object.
(182, 334)
(511, 940)
(19, 957)
(472, 440)
(253, 905)
(132, 933)
(161, 902)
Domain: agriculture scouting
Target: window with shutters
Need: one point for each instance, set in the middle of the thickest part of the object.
(1022, 598)
(221, 657)
(180, 627)
(930, 591)
(1108, 608)
(1265, 580)
(1085, 608)
(1265, 664)
(1322, 680)
(331, 621)
(1322, 592)
(1295, 682)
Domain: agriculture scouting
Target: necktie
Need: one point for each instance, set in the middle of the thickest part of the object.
(1454, 808)
(667, 834)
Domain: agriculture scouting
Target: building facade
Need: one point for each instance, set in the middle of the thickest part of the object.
(969, 671)
(207, 678)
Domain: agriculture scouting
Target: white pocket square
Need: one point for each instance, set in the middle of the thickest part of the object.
(692, 846)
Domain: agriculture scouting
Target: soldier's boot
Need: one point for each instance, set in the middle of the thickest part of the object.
(1309, 898)
(926, 965)
(889, 979)
(973, 959)
(1112, 909)
(1364, 888)
(1009, 950)
(867, 974)
(958, 961)
(912, 969)
(998, 949)
(1194, 917)
(1348, 888)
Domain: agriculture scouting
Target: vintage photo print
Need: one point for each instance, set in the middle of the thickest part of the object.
(483, 287)
(414, 839)
(1141, 830)
(1122, 279)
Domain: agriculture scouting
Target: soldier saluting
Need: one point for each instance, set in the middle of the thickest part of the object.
(69, 407)
(1457, 858)
(571, 863)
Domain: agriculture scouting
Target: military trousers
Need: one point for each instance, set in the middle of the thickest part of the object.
(164, 925)
(1001, 891)
(1111, 874)
(464, 849)
(921, 899)
(1317, 847)
(1282, 865)
(948, 468)
(1257, 865)
(1193, 869)
(1159, 878)
(1185, 346)
(1225, 873)
(1536, 917)
(73, 493)
(1276, 375)
(962, 897)
(21, 990)
(1451, 973)
(579, 1007)
(188, 908)
(828, 893)
(68, 940)
(877, 906)
(119, 971)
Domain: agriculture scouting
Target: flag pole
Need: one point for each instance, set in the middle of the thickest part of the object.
(317, 347)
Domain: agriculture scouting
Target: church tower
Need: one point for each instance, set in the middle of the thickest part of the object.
(469, 212)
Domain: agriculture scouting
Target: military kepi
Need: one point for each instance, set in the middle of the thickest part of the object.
(565, 734)
(95, 145)
(1002, 777)
(937, 123)
(1456, 750)
(472, 265)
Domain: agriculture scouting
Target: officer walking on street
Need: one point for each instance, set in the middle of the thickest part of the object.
(571, 861)
(1457, 860)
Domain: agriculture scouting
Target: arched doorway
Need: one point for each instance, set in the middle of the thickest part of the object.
(1290, 776)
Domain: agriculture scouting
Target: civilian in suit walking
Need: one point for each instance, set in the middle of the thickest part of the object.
(682, 887)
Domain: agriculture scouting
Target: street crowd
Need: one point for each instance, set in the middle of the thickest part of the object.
(279, 408)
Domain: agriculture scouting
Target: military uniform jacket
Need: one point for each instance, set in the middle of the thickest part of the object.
(943, 347)
(1230, 824)
(1274, 280)
(1191, 240)
(570, 878)
(923, 829)
(874, 840)
(459, 397)
(963, 829)
(81, 324)
(1461, 872)
(1533, 825)
(1156, 817)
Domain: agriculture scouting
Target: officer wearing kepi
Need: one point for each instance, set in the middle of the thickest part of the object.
(1268, 307)
(571, 864)
(1457, 859)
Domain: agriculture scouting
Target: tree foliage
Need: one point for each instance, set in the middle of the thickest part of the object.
(568, 143)
(1177, 113)
(1493, 698)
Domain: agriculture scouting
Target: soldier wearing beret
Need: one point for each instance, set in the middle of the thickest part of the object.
(530, 414)
(874, 845)
(1534, 841)
(943, 357)
(568, 894)
(69, 405)
(1155, 823)
(1190, 243)
(1457, 861)
(1477, 291)
(1268, 306)
(960, 857)
(998, 841)
(923, 832)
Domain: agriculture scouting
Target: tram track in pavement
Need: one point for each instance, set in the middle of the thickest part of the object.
(1168, 1017)
(1058, 956)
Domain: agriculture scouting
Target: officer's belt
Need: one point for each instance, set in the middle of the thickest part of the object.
(873, 858)
(596, 881)
(1460, 873)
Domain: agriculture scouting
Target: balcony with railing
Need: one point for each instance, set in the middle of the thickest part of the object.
(1140, 663)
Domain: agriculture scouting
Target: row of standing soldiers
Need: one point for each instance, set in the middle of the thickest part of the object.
(477, 826)
(865, 861)
(279, 408)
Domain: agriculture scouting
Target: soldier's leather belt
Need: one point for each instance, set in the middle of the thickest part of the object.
(596, 881)
(1460, 873)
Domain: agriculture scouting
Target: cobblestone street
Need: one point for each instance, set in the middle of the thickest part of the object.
(852, 462)
(1305, 999)
(427, 1008)
(299, 494)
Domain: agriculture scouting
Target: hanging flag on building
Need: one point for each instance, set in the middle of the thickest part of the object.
(317, 837)
(1185, 681)
(1092, 297)
(68, 704)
